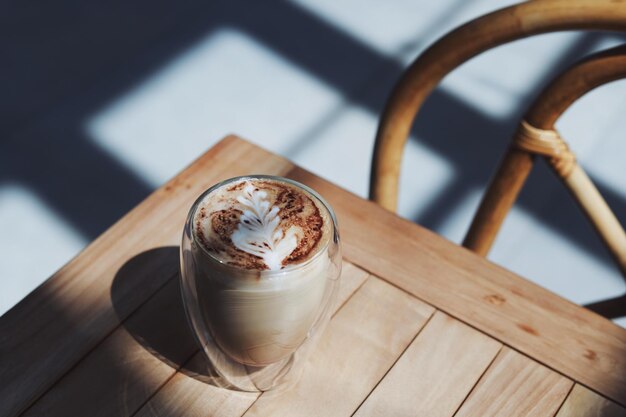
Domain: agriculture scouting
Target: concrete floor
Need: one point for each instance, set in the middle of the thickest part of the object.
(109, 104)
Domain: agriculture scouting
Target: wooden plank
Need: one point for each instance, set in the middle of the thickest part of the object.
(515, 385)
(582, 402)
(352, 277)
(371, 329)
(125, 370)
(567, 337)
(435, 374)
(63, 319)
(117, 377)
(364, 341)
(188, 394)
(56, 325)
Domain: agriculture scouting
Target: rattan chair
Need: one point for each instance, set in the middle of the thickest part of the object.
(535, 135)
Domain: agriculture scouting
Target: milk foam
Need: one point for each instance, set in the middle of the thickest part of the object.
(258, 233)
(261, 224)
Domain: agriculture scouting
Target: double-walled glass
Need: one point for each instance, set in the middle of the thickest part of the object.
(257, 327)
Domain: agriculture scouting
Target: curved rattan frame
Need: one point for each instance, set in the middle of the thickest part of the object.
(465, 42)
(554, 100)
(536, 134)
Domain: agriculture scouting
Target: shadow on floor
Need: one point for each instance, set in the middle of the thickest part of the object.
(68, 61)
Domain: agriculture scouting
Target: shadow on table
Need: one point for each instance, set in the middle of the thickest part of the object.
(160, 324)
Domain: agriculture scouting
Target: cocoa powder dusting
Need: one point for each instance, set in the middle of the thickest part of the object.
(297, 211)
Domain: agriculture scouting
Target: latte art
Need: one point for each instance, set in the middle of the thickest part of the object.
(261, 224)
(258, 232)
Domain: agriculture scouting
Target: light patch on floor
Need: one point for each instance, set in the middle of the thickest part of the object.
(495, 81)
(229, 83)
(34, 243)
(424, 176)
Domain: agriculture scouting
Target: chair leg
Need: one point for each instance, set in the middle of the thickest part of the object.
(611, 309)
(599, 214)
(498, 200)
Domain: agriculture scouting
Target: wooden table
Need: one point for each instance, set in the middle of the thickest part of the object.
(424, 327)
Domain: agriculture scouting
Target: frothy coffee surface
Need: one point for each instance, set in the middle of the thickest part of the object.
(261, 224)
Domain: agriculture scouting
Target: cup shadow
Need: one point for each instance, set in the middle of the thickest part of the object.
(160, 324)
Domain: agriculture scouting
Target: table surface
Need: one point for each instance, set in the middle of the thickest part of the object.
(423, 326)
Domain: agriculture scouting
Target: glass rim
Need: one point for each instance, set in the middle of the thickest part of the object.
(264, 272)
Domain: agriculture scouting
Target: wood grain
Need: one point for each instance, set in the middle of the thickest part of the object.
(189, 396)
(567, 337)
(435, 374)
(361, 344)
(186, 394)
(46, 334)
(117, 377)
(57, 324)
(352, 277)
(515, 385)
(582, 402)
(124, 371)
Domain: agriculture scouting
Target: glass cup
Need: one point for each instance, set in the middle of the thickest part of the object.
(258, 327)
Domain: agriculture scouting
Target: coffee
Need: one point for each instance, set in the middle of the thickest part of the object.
(261, 224)
(261, 254)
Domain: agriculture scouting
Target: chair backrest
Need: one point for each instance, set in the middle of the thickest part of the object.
(486, 32)
(536, 134)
